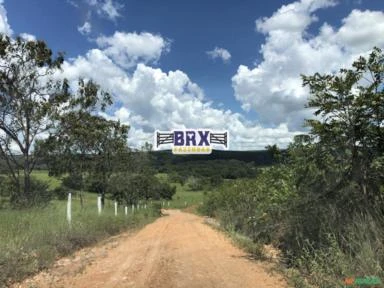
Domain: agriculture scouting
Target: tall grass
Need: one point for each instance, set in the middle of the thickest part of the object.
(320, 245)
(358, 252)
(31, 240)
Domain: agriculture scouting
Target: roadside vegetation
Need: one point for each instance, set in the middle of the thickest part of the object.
(32, 239)
(322, 202)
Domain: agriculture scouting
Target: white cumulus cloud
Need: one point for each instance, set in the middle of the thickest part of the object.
(128, 49)
(221, 53)
(273, 88)
(152, 99)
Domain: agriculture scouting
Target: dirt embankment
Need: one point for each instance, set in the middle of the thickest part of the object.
(177, 250)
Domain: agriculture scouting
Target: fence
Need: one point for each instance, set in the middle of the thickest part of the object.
(134, 208)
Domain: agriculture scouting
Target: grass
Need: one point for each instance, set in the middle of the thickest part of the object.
(31, 240)
(42, 175)
(184, 198)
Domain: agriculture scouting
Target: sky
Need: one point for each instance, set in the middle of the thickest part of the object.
(224, 65)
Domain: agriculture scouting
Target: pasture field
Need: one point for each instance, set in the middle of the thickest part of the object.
(184, 198)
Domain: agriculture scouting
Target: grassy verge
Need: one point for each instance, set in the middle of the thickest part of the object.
(31, 240)
(184, 198)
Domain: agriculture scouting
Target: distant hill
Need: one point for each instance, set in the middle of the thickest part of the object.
(165, 157)
(259, 157)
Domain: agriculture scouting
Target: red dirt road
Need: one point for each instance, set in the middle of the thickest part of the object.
(178, 250)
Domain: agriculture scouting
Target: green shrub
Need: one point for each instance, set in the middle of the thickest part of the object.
(61, 192)
(155, 209)
(194, 183)
(39, 194)
(73, 181)
(161, 190)
(95, 185)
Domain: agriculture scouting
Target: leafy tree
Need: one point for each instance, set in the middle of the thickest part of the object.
(32, 101)
(349, 136)
(337, 168)
(275, 152)
(130, 188)
(111, 153)
(81, 151)
(29, 96)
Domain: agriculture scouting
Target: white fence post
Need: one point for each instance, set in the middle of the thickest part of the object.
(69, 209)
(99, 205)
(133, 208)
(115, 208)
(126, 210)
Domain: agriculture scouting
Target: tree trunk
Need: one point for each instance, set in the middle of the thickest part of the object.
(27, 180)
(103, 198)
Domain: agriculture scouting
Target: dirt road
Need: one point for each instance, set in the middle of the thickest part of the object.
(177, 250)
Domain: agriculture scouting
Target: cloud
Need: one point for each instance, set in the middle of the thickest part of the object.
(85, 29)
(221, 53)
(72, 3)
(128, 49)
(4, 26)
(294, 17)
(28, 37)
(273, 88)
(151, 99)
(111, 9)
(106, 8)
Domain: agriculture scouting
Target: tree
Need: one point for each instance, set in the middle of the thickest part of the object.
(275, 152)
(112, 152)
(84, 143)
(32, 101)
(29, 96)
(349, 136)
(130, 188)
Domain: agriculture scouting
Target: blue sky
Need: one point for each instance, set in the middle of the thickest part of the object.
(173, 79)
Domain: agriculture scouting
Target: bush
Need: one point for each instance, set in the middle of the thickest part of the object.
(162, 191)
(155, 209)
(132, 188)
(216, 180)
(39, 194)
(175, 177)
(5, 186)
(194, 183)
(61, 192)
(73, 181)
(95, 185)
